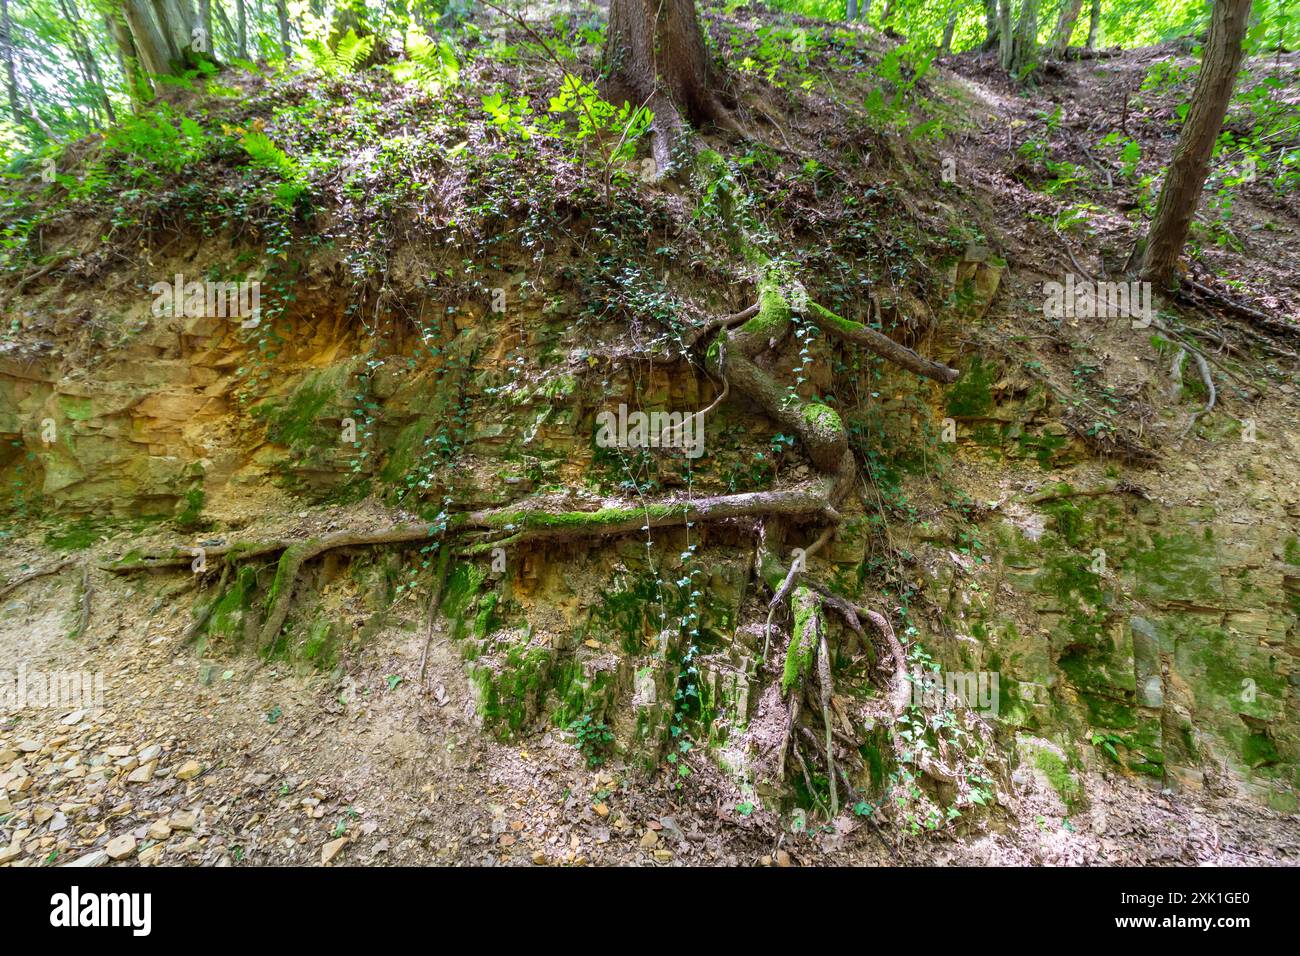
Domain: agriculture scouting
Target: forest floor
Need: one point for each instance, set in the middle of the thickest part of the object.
(230, 761)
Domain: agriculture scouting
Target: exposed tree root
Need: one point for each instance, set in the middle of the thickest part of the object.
(1256, 317)
(1212, 394)
(435, 599)
(733, 358)
(205, 615)
(1060, 491)
(882, 345)
(84, 598)
(18, 582)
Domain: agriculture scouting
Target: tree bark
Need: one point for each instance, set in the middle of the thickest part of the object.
(946, 46)
(1024, 42)
(1094, 24)
(1065, 26)
(282, 14)
(992, 32)
(205, 21)
(241, 25)
(128, 57)
(7, 40)
(655, 55)
(152, 44)
(1006, 46)
(1181, 192)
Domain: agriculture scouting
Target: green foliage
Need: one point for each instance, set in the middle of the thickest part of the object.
(349, 52)
(157, 139)
(593, 739)
(598, 118)
(511, 117)
(431, 65)
(264, 154)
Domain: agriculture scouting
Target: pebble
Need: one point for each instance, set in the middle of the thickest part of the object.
(160, 830)
(142, 773)
(189, 770)
(332, 849)
(121, 847)
(152, 855)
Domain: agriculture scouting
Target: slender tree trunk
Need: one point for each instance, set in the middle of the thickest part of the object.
(1094, 24)
(1026, 41)
(1065, 26)
(282, 13)
(1019, 51)
(1006, 39)
(86, 56)
(991, 27)
(241, 26)
(15, 108)
(946, 46)
(852, 13)
(128, 58)
(222, 19)
(1181, 193)
(655, 54)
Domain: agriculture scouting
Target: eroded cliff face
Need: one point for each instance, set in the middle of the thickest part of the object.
(1134, 618)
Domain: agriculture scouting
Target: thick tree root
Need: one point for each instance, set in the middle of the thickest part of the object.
(882, 345)
(732, 357)
(18, 582)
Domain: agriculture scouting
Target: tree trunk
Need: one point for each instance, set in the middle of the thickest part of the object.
(282, 13)
(205, 21)
(128, 58)
(85, 57)
(1094, 24)
(152, 43)
(1065, 26)
(15, 108)
(992, 32)
(655, 56)
(1026, 40)
(946, 46)
(852, 13)
(241, 25)
(175, 20)
(1006, 47)
(1181, 193)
